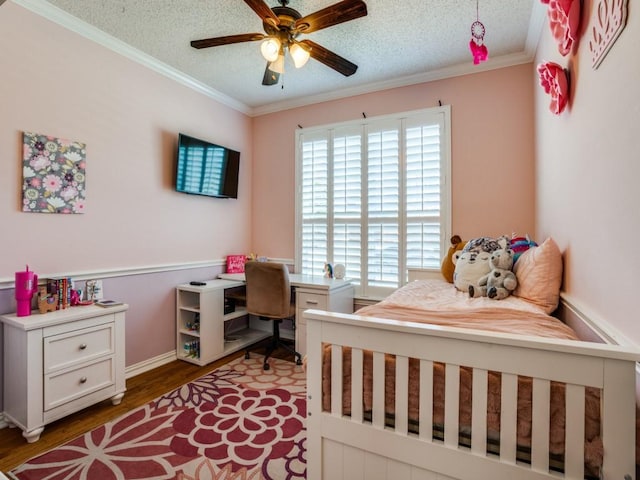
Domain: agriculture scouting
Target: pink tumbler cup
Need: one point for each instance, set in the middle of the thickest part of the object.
(26, 286)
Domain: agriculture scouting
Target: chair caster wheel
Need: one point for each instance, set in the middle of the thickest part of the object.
(246, 356)
(298, 362)
(266, 366)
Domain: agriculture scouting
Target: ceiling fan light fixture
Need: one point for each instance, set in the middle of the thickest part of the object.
(270, 49)
(278, 65)
(299, 54)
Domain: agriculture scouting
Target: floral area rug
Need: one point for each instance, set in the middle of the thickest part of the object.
(238, 422)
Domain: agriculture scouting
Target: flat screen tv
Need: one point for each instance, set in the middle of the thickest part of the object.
(204, 168)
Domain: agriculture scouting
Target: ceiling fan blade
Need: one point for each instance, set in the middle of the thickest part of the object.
(263, 11)
(217, 41)
(331, 15)
(270, 77)
(330, 59)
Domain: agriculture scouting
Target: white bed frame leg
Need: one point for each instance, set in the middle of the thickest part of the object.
(618, 406)
(314, 403)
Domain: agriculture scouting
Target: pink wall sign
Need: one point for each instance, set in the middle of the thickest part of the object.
(610, 20)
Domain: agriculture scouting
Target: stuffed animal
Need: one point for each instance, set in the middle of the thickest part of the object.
(486, 244)
(500, 281)
(447, 268)
(472, 262)
(519, 245)
(470, 268)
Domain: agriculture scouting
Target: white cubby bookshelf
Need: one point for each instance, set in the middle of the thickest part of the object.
(204, 331)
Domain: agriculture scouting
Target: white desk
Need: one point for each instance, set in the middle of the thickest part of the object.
(298, 280)
(312, 291)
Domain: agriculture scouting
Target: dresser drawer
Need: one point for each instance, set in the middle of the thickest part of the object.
(65, 386)
(78, 346)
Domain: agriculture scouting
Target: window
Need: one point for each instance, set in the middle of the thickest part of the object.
(374, 195)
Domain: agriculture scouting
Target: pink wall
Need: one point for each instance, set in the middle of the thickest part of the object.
(588, 171)
(492, 150)
(58, 83)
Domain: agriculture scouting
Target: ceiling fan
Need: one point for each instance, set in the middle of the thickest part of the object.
(282, 26)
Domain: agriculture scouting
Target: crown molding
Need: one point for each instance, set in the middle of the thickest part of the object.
(538, 20)
(90, 32)
(455, 71)
(62, 18)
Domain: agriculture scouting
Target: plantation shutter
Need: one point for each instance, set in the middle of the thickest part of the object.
(383, 180)
(423, 193)
(347, 200)
(371, 197)
(314, 203)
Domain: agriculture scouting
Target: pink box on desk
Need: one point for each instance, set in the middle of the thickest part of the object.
(235, 263)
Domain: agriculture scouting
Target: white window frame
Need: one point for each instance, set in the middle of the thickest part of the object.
(444, 112)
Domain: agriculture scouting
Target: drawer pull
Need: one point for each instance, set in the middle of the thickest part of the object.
(83, 346)
(312, 302)
(83, 380)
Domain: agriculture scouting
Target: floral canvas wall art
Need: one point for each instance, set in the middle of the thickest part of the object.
(53, 173)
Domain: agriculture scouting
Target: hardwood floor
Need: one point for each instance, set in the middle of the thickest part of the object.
(14, 450)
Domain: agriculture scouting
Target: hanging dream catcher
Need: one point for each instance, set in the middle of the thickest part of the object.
(476, 45)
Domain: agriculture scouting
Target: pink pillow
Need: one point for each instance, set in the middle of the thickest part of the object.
(539, 273)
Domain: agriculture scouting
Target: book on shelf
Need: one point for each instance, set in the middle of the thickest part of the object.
(108, 303)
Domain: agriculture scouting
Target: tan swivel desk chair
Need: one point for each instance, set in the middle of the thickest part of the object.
(269, 298)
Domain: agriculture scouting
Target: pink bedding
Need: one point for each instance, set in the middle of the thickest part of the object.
(438, 302)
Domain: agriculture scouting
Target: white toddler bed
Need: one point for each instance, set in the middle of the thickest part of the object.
(397, 399)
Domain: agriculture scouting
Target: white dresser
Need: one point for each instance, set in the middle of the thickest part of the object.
(60, 362)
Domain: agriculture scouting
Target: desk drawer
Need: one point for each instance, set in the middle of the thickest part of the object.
(63, 387)
(305, 301)
(78, 346)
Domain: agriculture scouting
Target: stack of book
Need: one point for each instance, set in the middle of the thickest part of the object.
(61, 287)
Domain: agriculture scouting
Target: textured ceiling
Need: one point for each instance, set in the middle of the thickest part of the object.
(397, 43)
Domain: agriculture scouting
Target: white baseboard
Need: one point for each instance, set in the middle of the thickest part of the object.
(3, 422)
(150, 364)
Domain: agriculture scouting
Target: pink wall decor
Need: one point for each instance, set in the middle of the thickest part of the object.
(564, 21)
(53, 173)
(610, 20)
(553, 79)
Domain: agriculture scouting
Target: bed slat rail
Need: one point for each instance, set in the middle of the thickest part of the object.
(575, 364)
(541, 396)
(479, 416)
(426, 400)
